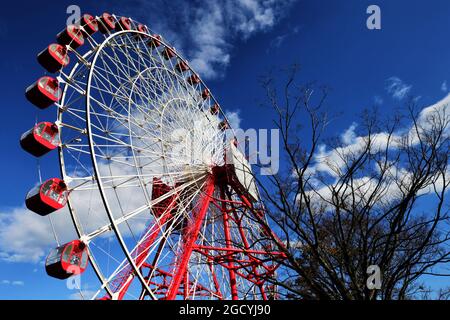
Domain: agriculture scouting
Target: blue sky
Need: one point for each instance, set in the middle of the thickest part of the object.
(329, 39)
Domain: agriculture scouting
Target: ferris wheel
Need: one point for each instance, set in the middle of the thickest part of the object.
(163, 203)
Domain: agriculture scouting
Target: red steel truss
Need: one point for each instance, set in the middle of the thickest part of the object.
(256, 267)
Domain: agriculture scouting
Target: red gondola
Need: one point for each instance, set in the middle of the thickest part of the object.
(71, 36)
(155, 41)
(223, 126)
(47, 197)
(107, 23)
(40, 139)
(89, 24)
(214, 109)
(193, 79)
(54, 57)
(67, 260)
(182, 66)
(205, 94)
(44, 92)
(168, 53)
(124, 23)
(142, 28)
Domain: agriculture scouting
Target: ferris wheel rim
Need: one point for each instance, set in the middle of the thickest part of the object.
(96, 168)
(71, 208)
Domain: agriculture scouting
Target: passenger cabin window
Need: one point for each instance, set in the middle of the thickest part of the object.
(62, 198)
(51, 89)
(54, 256)
(53, 195)
(46, 187)
(39, 129)
(56, 140)
(33, 191)
(46, 134)
(67, 252)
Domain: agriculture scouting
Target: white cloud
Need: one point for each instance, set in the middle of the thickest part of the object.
(444, 87)
(23, 236)
(349, 135)
(234, 119)
(13, 282)
(204, 32)
(333, 161)
(280, 39)
(397, 88)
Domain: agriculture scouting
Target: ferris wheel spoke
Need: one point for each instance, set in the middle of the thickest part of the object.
(118, 61)
(124, 46)
(159, 82)
(109, 74)
(70, 103)
(118, 117)
(132, 214)
(109, 87)
(77, 160)
(73, 83)
(157, 226)
(82, 119)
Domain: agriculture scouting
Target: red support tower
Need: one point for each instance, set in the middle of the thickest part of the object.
(237, 256)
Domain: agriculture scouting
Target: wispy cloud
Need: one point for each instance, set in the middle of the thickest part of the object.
(13, 282)
(397, 88)
(234, 119)
(23, 236)
(280, 39)
(444, 87)
(205, 31)
(378, 100)
(349, 135)
(332, 160)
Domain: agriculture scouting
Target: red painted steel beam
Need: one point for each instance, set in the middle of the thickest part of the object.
(123, 280)
(191, 237)
(226, 227)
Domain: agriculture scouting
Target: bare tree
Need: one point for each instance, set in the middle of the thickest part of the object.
(376, 196)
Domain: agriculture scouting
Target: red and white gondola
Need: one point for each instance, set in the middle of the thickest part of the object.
(44, 92)
(67, 260)
(47, 197)
(89, 24)
(71, 36)
(106, 23)
(54, 57)
(41, 139)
